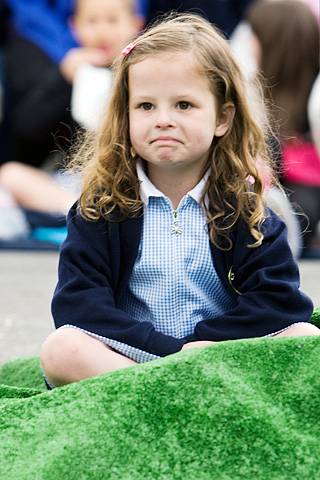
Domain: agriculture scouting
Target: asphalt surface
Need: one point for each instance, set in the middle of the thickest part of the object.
(27, 281)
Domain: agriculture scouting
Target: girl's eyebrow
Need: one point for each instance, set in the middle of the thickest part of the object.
(174, 97)
(142, 97)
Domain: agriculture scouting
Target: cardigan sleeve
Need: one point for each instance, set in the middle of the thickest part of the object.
(84, 296)
(267, 283)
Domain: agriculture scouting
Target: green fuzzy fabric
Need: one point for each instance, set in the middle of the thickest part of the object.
(316, 317)
(244, 409)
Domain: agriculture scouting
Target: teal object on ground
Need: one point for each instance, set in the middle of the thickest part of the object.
(49, 234)
(236, 410)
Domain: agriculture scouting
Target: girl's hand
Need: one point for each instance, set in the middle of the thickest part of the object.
(199, 344)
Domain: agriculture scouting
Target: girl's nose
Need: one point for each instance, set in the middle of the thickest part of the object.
(164, 119)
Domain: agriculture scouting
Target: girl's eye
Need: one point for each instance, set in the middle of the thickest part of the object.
(184, 105)
(145, 106)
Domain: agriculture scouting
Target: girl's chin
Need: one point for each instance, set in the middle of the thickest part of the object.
(167, 163)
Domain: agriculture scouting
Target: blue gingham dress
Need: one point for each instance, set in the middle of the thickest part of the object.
(174, 283)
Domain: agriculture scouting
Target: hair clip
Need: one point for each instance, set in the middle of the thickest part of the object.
(128, 49)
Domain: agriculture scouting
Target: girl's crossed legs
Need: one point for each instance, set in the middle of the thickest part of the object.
(69, 355)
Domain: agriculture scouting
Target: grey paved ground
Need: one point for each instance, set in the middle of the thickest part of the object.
(27, 281)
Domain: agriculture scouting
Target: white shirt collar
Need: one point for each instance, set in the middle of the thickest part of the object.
(147, 189)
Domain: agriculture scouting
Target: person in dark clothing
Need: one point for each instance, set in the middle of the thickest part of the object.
(41, 58)
(225, 14)
(36, 92)
(37, 101)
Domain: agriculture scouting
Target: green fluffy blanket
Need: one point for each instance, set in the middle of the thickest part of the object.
(245, 409)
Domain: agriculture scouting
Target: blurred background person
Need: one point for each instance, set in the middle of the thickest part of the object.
(39, 54)
(285, 42)
(104, 26)
(108, 25)
(42, 55)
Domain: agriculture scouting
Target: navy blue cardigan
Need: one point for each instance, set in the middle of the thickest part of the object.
(97, 258)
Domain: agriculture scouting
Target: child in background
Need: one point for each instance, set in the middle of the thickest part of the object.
(41, 59)
(290, 74)
(106, 25)
(170, 246)
(39, 47)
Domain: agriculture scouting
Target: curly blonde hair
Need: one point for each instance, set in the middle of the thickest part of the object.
(234, 187)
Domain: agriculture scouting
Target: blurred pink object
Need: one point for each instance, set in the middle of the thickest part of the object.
(301, 163)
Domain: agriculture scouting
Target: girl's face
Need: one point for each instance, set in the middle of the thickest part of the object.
(172, 112)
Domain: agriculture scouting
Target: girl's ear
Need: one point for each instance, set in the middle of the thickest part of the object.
(225, 119)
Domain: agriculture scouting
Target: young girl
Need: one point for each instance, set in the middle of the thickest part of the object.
(170, 246)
